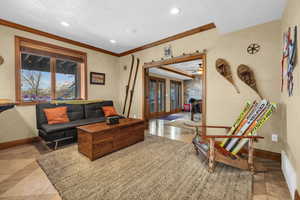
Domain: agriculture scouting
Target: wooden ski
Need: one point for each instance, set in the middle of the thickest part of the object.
(133, 86)
(128, 84)
(241, 117)
(255, 126)
(251, 118)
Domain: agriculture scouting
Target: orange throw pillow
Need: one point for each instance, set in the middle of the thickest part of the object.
(57, 115)
(109, 111)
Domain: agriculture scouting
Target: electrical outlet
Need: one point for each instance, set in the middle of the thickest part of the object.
(274, 137)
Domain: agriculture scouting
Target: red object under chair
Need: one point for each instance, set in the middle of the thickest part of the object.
(187, 107)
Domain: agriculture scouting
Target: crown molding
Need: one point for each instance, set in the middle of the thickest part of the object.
(52, 36)
(171, 38)
(87, 46)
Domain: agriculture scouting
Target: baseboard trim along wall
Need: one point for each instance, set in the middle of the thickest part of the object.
(267, 155)
(297, 196)
(264, 154)
(14, 143)
(289, 174)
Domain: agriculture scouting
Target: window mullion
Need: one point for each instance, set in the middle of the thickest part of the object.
(53, 78)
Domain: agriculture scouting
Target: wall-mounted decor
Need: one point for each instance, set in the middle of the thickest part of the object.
(253, 48)
(168, 53)
(290, 52)
(97, 78)
(1, 60)
(247, 76)
(223, 68)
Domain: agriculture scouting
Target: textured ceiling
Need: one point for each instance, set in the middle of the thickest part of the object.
(168, 74)
(188, 67)
(133, 23)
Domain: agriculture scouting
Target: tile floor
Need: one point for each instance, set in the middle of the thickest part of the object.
(21, 178)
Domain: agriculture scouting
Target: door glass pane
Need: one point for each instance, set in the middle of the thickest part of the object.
(67, 80)
(161, 96)
(35, 78)
(175, 93)
(152, 95)
(173, 96)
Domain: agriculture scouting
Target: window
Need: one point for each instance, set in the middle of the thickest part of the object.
(47, 72)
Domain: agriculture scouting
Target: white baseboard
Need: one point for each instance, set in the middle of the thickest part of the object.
(289, 173)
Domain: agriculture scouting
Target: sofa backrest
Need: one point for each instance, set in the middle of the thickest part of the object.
(94, 110)
(75, 112)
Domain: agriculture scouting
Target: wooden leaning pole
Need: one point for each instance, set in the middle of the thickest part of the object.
(128, 84)
(133, 86)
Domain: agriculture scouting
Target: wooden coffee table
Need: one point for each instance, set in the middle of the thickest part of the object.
(99, 139)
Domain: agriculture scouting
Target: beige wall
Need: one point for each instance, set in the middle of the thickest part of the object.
(232, 47)
(168, 86)
(291, 105)
(19, 123)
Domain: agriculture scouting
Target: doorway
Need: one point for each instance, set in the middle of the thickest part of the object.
(179, 99)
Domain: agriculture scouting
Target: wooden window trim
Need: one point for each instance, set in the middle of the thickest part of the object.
(48, 48)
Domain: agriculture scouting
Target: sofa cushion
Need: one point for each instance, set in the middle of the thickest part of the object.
(74, 111)
(73, 124)
(57, 115)
(109, 111)
(94, 110)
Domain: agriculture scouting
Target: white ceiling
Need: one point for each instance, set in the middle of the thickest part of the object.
(133, 23)
(161, 72)
(188, 67)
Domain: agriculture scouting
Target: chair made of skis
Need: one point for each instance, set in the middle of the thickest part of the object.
(215, 151)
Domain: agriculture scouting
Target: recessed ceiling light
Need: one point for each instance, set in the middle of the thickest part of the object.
(174, 11)
(65, 24)
(113, 41)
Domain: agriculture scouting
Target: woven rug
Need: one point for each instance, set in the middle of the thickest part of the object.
(156, 169)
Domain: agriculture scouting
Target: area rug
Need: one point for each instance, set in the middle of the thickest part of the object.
(172, 117)
(156, 169)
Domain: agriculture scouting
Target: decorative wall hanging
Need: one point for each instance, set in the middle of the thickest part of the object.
(292, 63)
(1, 60)
(168, 53)
(289, 53)
(285, 54)
(97, 78)
(223, 68)
(247, 76)
(253, 48)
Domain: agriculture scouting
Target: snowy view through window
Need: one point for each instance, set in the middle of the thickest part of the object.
(37, 81)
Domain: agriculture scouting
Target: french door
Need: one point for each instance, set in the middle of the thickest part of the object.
(175, 96)
(157, 96)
